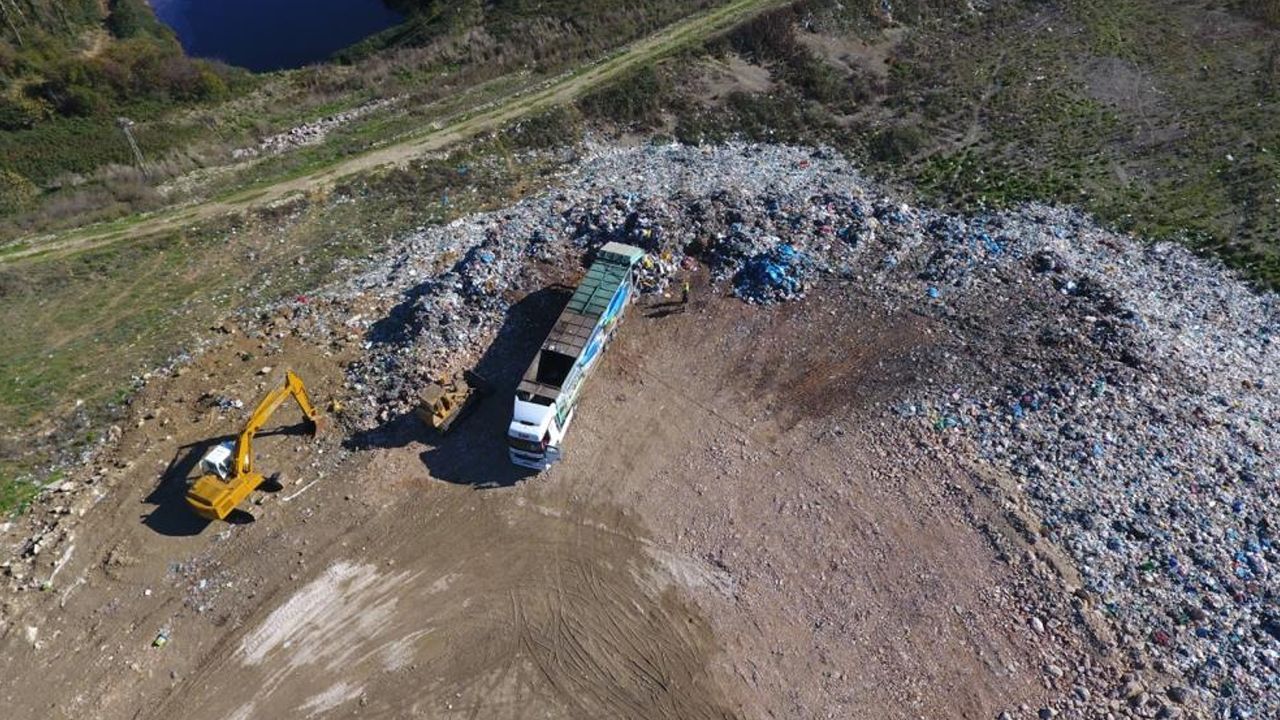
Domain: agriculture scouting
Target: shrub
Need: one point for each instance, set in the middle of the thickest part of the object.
(1267, 11)
(633, 99)
(130, 18)
(771, 36)
(548, 129)
(16, 192)
(81, 101)
(896, 144)
(19, 113)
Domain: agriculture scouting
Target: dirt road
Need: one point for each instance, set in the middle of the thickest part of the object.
(528, 101)
(735, 532)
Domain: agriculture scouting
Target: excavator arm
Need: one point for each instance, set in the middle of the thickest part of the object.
(292, 386)
(214, 498)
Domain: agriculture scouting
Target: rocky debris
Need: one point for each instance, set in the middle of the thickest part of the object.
(311, 133)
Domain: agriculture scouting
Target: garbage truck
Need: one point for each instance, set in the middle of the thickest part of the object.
(549, 390)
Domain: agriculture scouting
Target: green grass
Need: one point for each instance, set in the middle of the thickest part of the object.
(1105, 104)
(16, 493)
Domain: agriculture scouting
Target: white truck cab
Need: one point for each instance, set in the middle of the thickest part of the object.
(534, 436)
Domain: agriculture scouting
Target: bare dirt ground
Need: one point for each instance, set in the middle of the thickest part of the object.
(736, 532)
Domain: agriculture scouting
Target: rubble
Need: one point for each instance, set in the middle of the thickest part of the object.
(1134, 401)
(311, 133)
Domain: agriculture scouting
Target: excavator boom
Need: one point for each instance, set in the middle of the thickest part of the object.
(213, 497)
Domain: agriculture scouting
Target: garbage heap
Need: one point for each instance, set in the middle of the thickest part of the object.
(1134, 397)
(773, 276)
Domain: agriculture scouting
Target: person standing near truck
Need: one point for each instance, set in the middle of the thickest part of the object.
(684, 293)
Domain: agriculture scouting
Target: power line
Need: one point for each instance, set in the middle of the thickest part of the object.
(126, 126)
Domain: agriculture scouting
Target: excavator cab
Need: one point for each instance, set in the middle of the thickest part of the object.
(218, 460)
(229, 475)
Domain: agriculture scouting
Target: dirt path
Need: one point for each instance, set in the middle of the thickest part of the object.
(530, 101)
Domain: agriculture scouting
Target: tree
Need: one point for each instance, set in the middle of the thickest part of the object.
(130, 18)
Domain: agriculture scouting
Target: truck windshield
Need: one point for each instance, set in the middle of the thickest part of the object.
(526, 396)
(525, 445)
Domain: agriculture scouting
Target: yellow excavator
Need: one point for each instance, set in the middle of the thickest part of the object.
(224, 485)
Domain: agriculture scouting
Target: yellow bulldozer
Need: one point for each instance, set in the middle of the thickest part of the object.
(447, 401)
(228, 472)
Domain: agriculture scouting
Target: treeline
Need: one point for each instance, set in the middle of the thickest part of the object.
(46, 77)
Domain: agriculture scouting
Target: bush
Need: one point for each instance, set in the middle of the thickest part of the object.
(63, 145)
(80, 101)
(771, 36)
(896, 144)
(71, 89)
(552, 128)
(16, 192)
(1267, 11)
(633, 99)
(130, 18)
(19, 113)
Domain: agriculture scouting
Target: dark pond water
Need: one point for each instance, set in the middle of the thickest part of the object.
(272, 34)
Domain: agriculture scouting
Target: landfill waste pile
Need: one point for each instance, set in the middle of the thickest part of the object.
(773, 276)
(1134, 397)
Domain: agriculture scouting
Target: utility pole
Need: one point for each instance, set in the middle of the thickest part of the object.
(126, 126)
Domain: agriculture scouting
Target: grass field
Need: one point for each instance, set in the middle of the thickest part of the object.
(1160, 117)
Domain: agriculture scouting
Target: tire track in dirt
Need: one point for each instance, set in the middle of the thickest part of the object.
(546, 614)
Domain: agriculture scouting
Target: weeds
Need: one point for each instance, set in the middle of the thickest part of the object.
(16, 495)
(633, 100)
